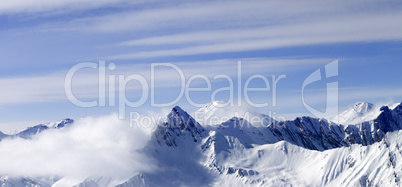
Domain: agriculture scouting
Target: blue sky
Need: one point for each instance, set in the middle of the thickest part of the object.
(42, 40)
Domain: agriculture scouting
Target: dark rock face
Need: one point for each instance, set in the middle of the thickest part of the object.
(320, 134)
(311, 133)
(179, 125)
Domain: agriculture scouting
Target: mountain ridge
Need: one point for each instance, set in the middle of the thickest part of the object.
(304, 151)
(28, 132)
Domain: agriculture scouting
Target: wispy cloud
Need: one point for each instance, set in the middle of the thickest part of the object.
(362, 28)
(26, 6)
(193, 28)
(185, 15)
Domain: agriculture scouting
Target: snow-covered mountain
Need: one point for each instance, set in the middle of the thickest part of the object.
(360, 112)
(238, 153)
(218, 112)
(213, 113)
(31, 131)
(305, 151)
(37, 129)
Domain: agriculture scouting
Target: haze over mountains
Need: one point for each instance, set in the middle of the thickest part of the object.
(363, 150)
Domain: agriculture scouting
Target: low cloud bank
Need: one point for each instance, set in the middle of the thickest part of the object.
(103, 146)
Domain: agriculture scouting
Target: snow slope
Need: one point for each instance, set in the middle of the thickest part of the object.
(360, 112)
(284, 164)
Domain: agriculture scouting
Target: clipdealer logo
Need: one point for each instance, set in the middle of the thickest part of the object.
(112, 88)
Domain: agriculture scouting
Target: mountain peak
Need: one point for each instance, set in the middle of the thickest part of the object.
(61, 124)
(181, 119)
(360, 112)
(179, 125)
(363, 107)
(214, 104)
(177, 110)
(218, 111)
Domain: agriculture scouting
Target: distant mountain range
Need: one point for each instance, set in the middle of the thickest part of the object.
(364, 149)
(31, 131)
